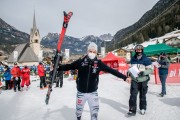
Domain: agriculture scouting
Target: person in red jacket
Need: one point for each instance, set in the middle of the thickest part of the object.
(41, 73)
(25, 74)
(16, 73)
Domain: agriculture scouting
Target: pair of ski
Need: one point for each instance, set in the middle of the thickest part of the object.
(58, 55)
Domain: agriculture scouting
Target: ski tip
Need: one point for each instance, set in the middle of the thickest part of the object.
(68, 14)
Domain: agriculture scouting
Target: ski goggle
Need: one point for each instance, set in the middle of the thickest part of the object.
(138, 50)
(139, 47)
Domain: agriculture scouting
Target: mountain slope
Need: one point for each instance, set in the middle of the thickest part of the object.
(10, 35)
(76, 45)
(161, 19)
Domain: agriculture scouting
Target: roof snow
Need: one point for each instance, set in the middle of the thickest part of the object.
(153, 41)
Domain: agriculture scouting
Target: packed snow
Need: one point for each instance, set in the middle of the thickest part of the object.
(113, 97)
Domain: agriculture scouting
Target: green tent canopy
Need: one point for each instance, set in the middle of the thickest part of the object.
(178, 50)
(156, 49)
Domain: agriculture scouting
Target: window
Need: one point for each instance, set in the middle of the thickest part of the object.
(36, 41)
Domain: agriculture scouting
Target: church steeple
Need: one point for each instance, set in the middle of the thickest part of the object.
(34, 21)
(35, 39)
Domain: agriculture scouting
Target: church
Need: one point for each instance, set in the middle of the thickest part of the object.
(28, 53)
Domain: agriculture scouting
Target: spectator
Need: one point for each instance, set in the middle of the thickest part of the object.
(163, 71)
(16, 72)
(59, 79)
(7, 75)
(25, 73)
(41, 73)
(33, 69)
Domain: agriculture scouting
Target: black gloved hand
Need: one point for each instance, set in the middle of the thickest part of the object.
(128, 74)
(141, 74)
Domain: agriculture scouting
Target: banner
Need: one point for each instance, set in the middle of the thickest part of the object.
(103, 51)
(15, 56)
(121, 67)
(40, 55)
(67, 53)
(173, 74)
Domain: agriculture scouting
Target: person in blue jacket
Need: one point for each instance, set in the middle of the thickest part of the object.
(139, 83)
(7, 75)
(164, 63)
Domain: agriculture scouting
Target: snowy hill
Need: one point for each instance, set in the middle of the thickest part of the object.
(10, 37)
(159, 20)
(175, 33)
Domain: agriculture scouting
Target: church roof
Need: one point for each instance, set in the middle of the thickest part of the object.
(25, 54)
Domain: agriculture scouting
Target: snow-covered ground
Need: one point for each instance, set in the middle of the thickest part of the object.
(113, 94)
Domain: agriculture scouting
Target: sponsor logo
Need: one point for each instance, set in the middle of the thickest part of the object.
(94, 70)
(79, 101)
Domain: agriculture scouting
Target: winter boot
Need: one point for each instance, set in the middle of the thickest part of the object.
(130, 113)
(142, 111)
(162, 95)
(79, 118)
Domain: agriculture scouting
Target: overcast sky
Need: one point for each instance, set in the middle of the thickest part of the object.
(91, 17)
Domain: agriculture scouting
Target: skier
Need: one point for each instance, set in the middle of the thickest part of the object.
(41, 73)
(25, 73)
(16, 72)
(139, 84)
(7, 75)
(163, 71)
(87, 80)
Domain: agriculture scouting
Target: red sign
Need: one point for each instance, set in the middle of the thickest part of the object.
(123, 69)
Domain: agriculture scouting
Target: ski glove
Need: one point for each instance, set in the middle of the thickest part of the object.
(128, 74)
(141, 74)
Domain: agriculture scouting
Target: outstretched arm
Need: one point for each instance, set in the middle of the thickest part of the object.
(104, 67)
(72, 66)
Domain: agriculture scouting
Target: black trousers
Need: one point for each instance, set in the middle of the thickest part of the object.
(17, 83)
(59, 80)
(42, 81)
(136, 87)
(8, 85)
